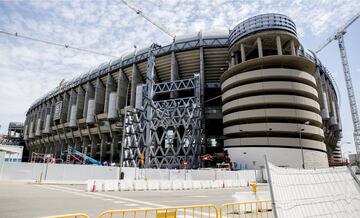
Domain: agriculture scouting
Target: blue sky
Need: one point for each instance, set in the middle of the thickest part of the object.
(29, 69)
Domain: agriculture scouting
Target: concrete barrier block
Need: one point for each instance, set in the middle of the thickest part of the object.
(126, 185)
(216, 184)
(165, 185)
(187, 184)
(177, 185)
(140, 185)
(153, 185)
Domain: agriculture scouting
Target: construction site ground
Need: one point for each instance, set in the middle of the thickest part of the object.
(37, 200)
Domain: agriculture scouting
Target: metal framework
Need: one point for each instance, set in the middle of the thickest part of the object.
(165, 133)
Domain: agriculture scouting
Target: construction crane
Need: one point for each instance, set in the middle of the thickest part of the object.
(139, 12)
(339, 36)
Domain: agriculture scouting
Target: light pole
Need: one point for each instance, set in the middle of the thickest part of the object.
(302, 151)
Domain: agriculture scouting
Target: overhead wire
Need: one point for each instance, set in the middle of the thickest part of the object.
(16, 34)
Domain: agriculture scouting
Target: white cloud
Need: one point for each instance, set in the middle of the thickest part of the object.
(30, 69)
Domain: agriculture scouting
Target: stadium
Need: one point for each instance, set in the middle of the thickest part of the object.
(250, 92)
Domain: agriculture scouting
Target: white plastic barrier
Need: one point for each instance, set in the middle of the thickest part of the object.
(140, 185)
(216, 184)
(165, 185)
(153, 185)
(89, 185)
(177, 174)
(177, 185)
(126, 185)
(228, 183)
(111, 185)
(187, 184)
(205, 184)
(196, 184)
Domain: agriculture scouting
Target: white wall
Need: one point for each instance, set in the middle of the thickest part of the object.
(285, 157)
(82, 173)
(55, 172)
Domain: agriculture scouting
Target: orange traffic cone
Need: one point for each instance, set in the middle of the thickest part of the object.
(94, 187)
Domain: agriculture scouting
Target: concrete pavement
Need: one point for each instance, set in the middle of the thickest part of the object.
(33, 200)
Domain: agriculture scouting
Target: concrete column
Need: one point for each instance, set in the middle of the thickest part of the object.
(46, 129)
(94, 146)
(259, 45)
(103, 148)
(57, 149)
(80, 100)
(89, 94)
(77, 144)
(114, 148)
(99, 97)
(278, 45)
(232, 62)
(38, 122)
(65, 106)
(292, 47)
(134, 82)
(242, 50)
(122, 90)
(174, 72)
(31, 127)
(110, 87)
(52, 111)
(71, 118)
(72, 101)
(52, 148)
(85, 145)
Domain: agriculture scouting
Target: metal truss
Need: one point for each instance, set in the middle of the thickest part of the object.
(166, 133)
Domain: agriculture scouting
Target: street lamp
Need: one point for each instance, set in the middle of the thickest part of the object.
(302, 151)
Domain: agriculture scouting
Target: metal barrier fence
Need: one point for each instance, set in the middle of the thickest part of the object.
(246, 209)
(202, 211)
(74, 215)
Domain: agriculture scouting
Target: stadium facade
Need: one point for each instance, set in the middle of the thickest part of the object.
(252, 91)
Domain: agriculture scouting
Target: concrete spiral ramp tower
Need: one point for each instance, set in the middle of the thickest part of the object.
(270, 98)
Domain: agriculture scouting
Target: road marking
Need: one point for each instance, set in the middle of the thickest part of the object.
(118, 202)
(131, 205)
(101, 195)
(197, 196)
(106, 199)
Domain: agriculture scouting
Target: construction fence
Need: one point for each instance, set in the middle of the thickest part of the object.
(327, 192)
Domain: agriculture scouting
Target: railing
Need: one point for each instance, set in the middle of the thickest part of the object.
(230, 210)
(206, 211)
(246, 209)
(74, 215)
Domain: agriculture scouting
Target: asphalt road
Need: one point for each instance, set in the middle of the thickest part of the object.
(34, 200)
